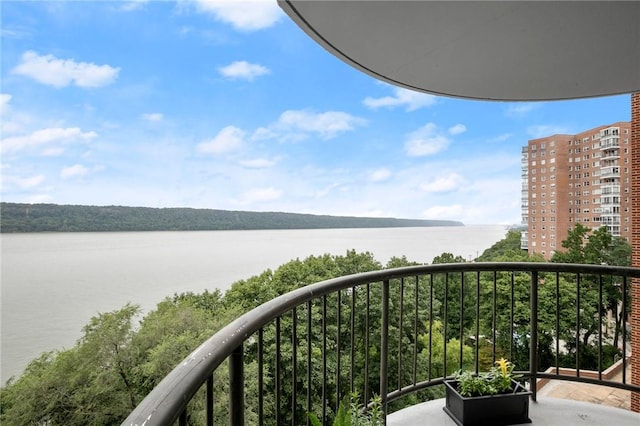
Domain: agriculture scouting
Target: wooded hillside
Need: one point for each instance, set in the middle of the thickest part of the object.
(17, 217)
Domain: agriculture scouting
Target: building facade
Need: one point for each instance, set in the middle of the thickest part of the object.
(583, 178)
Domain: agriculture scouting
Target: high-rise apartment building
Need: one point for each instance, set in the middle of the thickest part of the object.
(569, 179)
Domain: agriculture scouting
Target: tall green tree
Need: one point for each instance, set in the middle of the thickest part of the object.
(90, 384)
(598, 247)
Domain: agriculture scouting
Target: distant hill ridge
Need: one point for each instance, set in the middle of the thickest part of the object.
(18, 217)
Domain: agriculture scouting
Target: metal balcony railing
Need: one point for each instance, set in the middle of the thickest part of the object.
(396, 333)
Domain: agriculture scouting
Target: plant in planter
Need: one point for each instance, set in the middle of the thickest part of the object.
(491, 398)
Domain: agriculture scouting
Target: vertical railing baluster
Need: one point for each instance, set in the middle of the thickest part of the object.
(477, 322)
(461, 320)
(260, 376)
(624, 329)
(384, 348)
(533, 345)
(400, 333)
(600, 327)
(430, 324)
(445, 319)
(236, 386)
(309, 361)
(512, 316)
(578, 285)
(415, 332)
(325, 399)
(294, 365)
(352, 354)
(495, 319)
(209, 396)
(557, 323)
(366, 342)
(278, 386)
(338, 344)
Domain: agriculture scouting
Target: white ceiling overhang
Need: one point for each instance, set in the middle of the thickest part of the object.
(500, 50)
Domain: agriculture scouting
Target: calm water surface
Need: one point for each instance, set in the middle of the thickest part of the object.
(52, 284)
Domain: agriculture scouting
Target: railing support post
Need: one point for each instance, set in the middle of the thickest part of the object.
(384, 349)
(533, 343)
(236, 386)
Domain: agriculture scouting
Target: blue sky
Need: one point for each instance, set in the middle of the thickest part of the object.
(231, 106)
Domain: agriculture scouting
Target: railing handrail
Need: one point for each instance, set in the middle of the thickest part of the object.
(170, 397)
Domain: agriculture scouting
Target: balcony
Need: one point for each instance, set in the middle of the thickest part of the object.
(609, 189)
(609, 143)
(610, 155)
(610, 172)
(398, 333)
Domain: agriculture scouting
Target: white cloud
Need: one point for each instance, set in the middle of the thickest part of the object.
(323, 192)
(12, 121)
(52, 152)
(501, 138)
(257, 163)
(243, 15)
(228, 139)
(5, 98)
(58, 73)
(16, 32)
(427, 140)
(243, 70)
(299, 124)
(21, 183)
(327, 124)
(131, 5)
(469, 204)
(544, 130)
(522, 109)
(402, 97)
(447, 183)
(259, 195)
(380, 175)
(152, 116)
(74, 171)
(457, 129)
(49, 136)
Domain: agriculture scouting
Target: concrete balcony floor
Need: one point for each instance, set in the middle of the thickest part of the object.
(546, 411)
(560, 403)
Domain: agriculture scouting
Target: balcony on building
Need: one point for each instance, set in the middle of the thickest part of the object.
(610, 172)
(382, 333)
(609, 144)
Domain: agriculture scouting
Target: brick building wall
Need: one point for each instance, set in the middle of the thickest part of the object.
(582, 178)
(635, 242)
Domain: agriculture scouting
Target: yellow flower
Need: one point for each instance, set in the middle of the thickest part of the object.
(503, 363)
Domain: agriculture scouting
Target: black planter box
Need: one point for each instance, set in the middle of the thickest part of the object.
(490, 410)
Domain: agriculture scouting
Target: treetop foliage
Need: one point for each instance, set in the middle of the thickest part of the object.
(596, 247)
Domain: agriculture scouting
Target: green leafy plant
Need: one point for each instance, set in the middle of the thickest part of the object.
(352, 413)
(495, 381)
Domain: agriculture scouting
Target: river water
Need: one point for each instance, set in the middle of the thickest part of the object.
(53, 283)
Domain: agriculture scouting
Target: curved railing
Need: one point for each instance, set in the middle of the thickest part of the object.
(397, 333)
